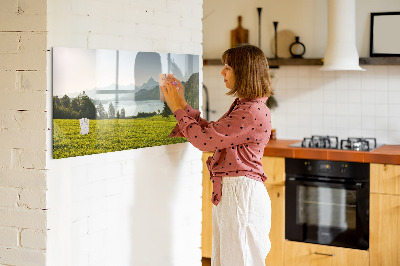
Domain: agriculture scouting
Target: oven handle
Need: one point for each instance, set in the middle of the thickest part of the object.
(357, 185)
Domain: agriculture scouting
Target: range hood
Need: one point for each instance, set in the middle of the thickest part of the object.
(341, 51)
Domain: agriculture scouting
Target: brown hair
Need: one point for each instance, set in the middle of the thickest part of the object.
(250, 66)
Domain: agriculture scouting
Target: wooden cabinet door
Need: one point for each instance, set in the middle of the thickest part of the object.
(385, 178)
(206, 226)
(384, 236)
(274, 168)
(277, 233)
(305, 254)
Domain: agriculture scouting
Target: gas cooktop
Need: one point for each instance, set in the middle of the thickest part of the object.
(332, 142)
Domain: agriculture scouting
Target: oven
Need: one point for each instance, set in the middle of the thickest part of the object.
(327, 202)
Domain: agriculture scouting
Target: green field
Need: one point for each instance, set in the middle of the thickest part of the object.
(111, 135)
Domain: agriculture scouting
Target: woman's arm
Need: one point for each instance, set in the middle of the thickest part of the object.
(175, 98)
(239, 127)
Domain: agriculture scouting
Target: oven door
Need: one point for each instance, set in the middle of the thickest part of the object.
(327, 213)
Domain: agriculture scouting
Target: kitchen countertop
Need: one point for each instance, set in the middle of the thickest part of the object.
(389, 154)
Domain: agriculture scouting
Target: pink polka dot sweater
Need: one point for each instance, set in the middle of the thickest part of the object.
(238, 139)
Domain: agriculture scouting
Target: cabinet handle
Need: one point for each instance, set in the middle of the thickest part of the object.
(325, 254)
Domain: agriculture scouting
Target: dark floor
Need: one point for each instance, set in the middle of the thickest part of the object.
(206, 261)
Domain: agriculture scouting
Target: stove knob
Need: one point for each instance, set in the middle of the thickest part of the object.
(343, 168)
(308, 166)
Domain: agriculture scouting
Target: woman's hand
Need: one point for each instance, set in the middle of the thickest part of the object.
(174, 92)
(181, 93)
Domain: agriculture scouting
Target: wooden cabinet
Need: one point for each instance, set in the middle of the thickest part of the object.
(385, 178)
(277, 233)
(274, 168)
(385, 215)
(305, 254)
(206, 226)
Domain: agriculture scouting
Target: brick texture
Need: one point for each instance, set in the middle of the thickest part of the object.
(23, 125)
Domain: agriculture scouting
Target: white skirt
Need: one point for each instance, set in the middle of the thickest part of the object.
(241, 223)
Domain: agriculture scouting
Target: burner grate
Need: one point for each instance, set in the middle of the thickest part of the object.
(332, 142)
(358, 144)
(327, 142)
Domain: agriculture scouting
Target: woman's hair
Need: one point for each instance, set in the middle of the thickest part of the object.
(250, 66)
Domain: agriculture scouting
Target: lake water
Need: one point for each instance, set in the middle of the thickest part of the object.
(134, 107)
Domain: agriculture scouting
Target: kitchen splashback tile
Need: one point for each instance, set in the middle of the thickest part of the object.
(342, 109)
(316, 72)
(355, 96)
(380, 71)
(394, 97)
(381, 97)
(394, 110)
(304, 72)
(355, 109)
(381, 110)
(329, 122)
(292, 83)
(394, 123)
(368, 123)
(382, 123)
(382, 135)
(367, 96)
(342, 123)
(355, 132)
(355, 83)
(380, 84)
(291, 71)
(394, 71)
(342, 96)
(394, 137)
(367, 110)
(354, 122)
(304, 82)
(394, 83)
(367, 133)
(316, 82)
(329, 109)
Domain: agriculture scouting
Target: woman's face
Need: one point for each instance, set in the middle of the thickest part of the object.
(229, 76)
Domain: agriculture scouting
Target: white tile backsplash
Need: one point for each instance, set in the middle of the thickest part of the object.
(394, 97)
(345, 103)
(394, 110)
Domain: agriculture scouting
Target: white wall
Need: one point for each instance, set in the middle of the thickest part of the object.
(311, 102)
(23, 133)
(305, 18)
(135, 207)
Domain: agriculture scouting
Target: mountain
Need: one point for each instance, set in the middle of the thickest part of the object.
(145, 95)
(191, 92)
(148, 85)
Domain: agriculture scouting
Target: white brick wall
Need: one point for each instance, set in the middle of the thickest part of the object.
(136, 207)
(100, 206)
(23, 132)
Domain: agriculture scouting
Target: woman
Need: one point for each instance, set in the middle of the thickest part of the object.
(242, 208)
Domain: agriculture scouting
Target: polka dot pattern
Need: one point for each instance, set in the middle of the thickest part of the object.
(238, 139)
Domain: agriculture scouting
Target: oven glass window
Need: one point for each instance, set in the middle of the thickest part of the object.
(327, 207)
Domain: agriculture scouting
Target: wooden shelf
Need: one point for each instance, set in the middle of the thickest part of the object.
(380, 61)
(273, 63)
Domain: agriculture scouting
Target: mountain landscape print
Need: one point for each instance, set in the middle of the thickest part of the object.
(115, 96)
